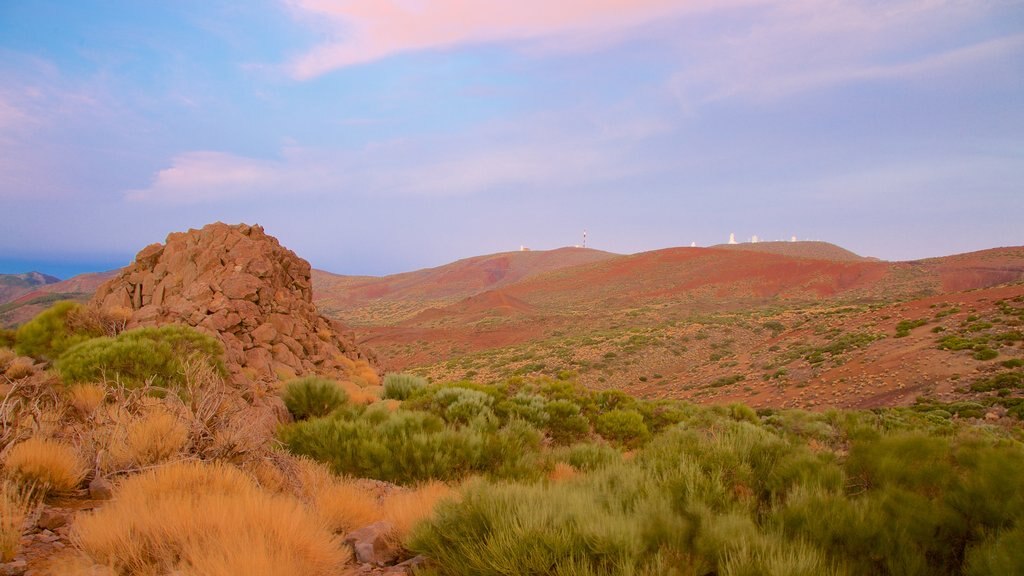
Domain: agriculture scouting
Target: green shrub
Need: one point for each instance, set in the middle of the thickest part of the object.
(135, 357)
(985, 354)
(587, 457)
(313, 396)
(8, 338)
(402, 386)
(410, 447)
(1010, 380)
(531, 408)
(1003, 554)
(566, 424)
(623, 427)
(54, 331)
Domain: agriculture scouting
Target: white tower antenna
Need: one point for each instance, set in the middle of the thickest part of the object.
(584, 238)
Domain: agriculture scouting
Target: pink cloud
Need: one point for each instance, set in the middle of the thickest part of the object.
(375, 29)
(203, 176)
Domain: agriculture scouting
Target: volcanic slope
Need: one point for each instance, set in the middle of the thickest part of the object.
(803, 249)
(672, 322)
(367, 300)
(25, 306)
(15, 285)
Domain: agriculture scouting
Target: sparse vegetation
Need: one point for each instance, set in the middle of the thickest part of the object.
(208, 519)
(312, 396)
(399, 386)
(48, 465)
(151, 356)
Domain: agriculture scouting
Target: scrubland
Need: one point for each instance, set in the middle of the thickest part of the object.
(524, 474)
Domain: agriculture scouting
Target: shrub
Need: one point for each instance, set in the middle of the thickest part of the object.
(206, 519)
(402, 386)
(150, 440)
(53, 331)
(409, 447)
(50, 465)
(86, 398)
(530, 408)
(16, 502)
(345, 506)
(140, 356)
(313, 396)
(985, 354)
(588, 457)
(19, 368)
(6, 356)
(566, 424)
(406, 509)
(8, 338)
(624, 427)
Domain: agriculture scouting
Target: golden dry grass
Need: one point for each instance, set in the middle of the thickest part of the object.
(6, 355)
(359, 371)
(19, 368)
(562, 472)
(359, 394)
(15, 504)
(345, 506)
(46, 463)
(86, 398)
(407, 509)
(155, 438)
(207, 520)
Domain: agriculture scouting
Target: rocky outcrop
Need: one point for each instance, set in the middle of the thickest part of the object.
(241, 285)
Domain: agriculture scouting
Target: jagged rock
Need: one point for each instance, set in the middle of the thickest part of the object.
(100, 489)
(373, 544)
(15, 568)
(50, 519)
(240, 285)
(410, 566)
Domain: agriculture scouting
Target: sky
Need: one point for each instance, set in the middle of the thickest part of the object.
(381, 136)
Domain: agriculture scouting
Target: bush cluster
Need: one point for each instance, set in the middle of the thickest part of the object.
(398, 386)
(722, 496)
(54, 330)
(143, 355)
(414, 446)
(313, 396)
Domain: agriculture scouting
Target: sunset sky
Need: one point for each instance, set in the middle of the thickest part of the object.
(375, 136)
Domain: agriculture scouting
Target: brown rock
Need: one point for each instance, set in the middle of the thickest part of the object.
(50, 519)
(373, 544)
(100, 489)
(264, 334)
(241, 285)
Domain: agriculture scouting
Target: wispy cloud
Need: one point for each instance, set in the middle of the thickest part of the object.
(492, 158)
(793, 47)
(368, 30)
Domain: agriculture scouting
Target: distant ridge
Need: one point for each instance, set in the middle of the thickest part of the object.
(14, 285)
(803, 249)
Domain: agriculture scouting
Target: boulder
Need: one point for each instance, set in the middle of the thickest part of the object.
(240, 285)
(374, 544)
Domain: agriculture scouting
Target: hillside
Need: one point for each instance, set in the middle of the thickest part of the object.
(198, 415)
(365, 300)
(666, 307)
(78, 288)
(15, 285)
(803, 249)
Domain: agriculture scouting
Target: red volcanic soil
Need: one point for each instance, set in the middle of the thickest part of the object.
(364, 299)
(805, 249)
(700, 274)
(26, 306)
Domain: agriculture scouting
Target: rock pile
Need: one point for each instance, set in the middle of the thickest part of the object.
(240, 285)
